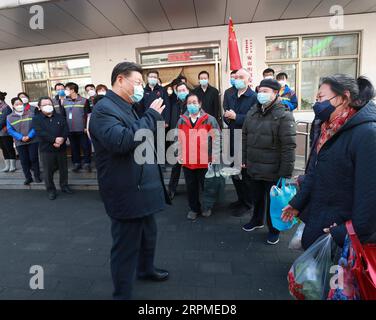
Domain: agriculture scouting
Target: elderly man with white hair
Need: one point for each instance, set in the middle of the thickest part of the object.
(240, 103)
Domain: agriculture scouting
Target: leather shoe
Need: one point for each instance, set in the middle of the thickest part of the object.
(67, 190)
(28, 181)
(158, 275)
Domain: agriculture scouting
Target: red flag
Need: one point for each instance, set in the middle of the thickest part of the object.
(235, 62)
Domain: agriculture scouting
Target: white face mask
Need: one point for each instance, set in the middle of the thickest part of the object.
(102, 93)
(67, 93)
(25, 100)
(47, 109)
(269, 78)
(92, 93)
(282, 83)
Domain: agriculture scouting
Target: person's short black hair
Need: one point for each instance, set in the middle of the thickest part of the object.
(268, 70)
(203, 72)
(90, 85)
(194, 95)
(125, 69)
(234, 72)
(181, 77)
(44, 98)
(14, 100)
(3, 95)
(72, 86)
(59, 84)
(153, 71)
(182, 84)
(282, 75)
(23, 93)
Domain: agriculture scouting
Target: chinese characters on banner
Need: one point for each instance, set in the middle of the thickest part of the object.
(249, 57)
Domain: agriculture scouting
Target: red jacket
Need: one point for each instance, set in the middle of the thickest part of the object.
(197, 144)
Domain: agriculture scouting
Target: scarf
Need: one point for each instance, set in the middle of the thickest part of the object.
(330, 128)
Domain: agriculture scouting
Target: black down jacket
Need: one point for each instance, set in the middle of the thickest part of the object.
(269, 142)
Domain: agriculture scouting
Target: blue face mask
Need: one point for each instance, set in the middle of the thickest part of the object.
(264, 98)
(61, 93)
(204, 83)
(182, 96)
(240, 84)
(138, 93)
(232, 82)
(323, 110)
(153, 82)
(193, 109)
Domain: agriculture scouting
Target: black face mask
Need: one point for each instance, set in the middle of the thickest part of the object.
(323, 110)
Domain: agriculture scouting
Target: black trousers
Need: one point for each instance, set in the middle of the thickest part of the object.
(51, 161)
(241, 188)
(194, 180)
(6, 145)
(29, 159)
(259, 195)
(78, 141)
(174, 178)
(133, 248)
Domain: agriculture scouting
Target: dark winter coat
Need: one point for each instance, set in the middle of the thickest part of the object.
(342, 184)
(129, 190)
(269, 142)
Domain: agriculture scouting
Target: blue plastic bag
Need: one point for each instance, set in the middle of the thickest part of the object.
(280, 196)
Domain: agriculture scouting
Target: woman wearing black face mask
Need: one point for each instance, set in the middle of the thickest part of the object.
(340, 180)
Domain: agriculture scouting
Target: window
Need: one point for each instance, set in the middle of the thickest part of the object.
(40, 76)
(308, 58)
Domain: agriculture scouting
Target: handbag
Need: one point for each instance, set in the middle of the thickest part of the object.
(364, 268)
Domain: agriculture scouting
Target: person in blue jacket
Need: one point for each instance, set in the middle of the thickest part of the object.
(341, 181)
(19, 126)
(239, 104)
(230, 91)
(287, 95)
(132, 191)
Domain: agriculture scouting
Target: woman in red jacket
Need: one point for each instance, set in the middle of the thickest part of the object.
(199, 145)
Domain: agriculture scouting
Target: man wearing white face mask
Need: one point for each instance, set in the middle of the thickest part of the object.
(132, 192)
(91, 94)
(52, 131)
(269, 143)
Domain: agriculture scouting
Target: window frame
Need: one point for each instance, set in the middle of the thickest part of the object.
(299, 60)
(50, 79)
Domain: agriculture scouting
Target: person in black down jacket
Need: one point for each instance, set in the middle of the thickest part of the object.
(269, 143)
(341, 185)
(132, 193)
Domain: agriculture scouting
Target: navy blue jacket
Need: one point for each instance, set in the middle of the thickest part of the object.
(227, 97)
(128, 190)
(151, 95)
(241, 105)
(341, 185)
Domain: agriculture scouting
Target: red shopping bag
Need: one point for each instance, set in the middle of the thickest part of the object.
(365, 265)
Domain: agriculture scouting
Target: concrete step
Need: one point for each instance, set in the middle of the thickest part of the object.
(81, 180)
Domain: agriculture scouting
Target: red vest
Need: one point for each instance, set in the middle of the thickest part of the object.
(193, 142)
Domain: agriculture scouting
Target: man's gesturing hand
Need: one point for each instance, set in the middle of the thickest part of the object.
(158, 106)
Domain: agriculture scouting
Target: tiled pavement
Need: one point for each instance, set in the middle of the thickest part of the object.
(70, 238)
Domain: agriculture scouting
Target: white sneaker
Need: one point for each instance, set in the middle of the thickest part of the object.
(207, 213)
(192, 215)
